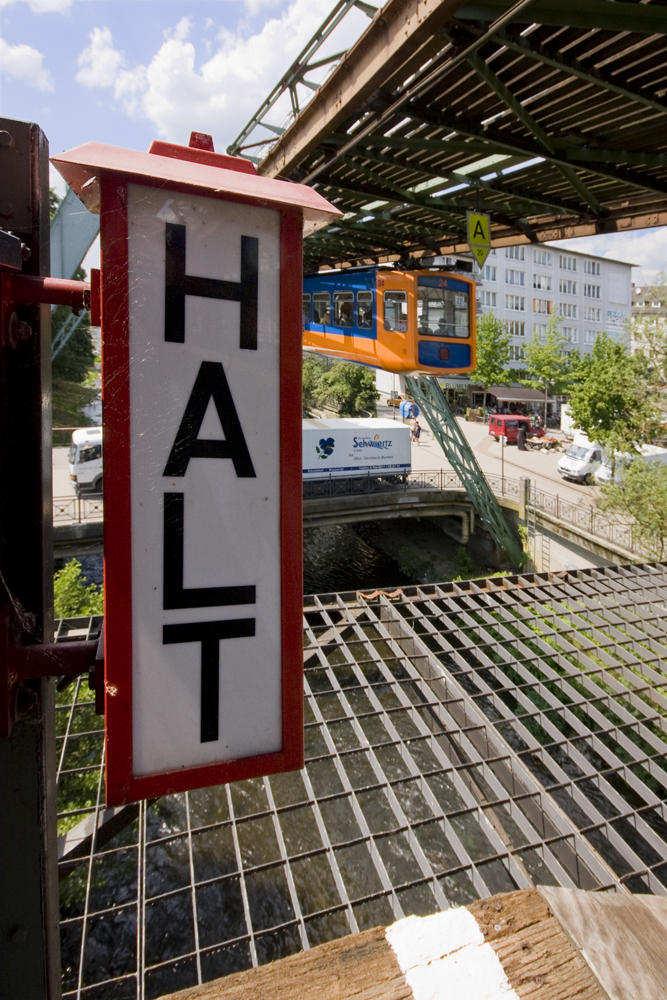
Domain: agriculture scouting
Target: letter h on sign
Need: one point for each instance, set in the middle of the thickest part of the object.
(201, 328)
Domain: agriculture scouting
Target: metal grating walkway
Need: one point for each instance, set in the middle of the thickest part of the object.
(463, 740)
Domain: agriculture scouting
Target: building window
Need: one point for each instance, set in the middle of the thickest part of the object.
(490, 272)
(592, 313)
(568, 263)
(489, 299)
(516, 302)
(592, 267)
(515, 277)
(592, 291)
(568, 287)
(571, 334)
(515, 253)
(590, 336)
(542, 257)
(516, 328)
(516, 353)
(568, 309)
(542, 281)
(543, 306)
(540, 329)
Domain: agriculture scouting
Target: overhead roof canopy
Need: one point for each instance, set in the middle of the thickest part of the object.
(515, 394)
(550, 116)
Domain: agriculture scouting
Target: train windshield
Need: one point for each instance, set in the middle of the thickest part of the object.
(442, 311)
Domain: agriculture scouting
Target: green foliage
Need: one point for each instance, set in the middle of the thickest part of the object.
(72, 597)
(548, 368)
(312, 371)
(54, 201)
(641, 496)
(648, 335)
(612, 402)
(74, 362)
(493, 351)
(347, 387)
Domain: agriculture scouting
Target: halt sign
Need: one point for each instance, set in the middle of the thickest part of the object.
(201, 286)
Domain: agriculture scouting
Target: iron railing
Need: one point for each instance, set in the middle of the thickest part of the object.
(582, 516)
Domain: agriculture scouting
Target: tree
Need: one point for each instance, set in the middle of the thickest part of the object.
(641, 496)
(493, 352)
(548, 368)
(611, 401)
(312, 371)
(350, 388)
(73, 362)
(72, 598)
(648, 336)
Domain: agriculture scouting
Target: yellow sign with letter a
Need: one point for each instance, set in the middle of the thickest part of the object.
(479, 236)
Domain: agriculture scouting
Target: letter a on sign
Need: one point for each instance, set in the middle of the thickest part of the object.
(201, 333)
(479, 236)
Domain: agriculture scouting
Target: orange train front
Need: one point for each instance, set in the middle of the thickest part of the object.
(407, 322)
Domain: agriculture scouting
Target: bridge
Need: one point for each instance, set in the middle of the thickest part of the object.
(79, 522)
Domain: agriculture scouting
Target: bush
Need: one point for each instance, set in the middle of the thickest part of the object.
(72, 597)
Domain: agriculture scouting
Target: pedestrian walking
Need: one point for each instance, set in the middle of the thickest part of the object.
(416, 432)
(521, 438)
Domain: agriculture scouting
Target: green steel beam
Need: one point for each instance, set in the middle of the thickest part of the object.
(414, 202)
(418, 145)
(501, 89)
(498, 143)
(526, 201)
(429, 396)
(607, 15)
(302, 64)
(557, 60)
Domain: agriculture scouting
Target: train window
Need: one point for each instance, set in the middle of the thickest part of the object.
(396, 311)
(343, 308)
(442, 312)
(321, 307)
(306, 309)
(365, 310)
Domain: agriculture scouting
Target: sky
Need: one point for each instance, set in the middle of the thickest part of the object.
(125, 72)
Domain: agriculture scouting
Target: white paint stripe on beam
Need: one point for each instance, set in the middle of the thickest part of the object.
(444, 956)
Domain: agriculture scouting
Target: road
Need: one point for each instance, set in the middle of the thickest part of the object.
(541, 468)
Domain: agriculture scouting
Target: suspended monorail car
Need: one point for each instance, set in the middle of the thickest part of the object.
(407, 322)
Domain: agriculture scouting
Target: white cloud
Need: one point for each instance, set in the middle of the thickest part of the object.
(26, 64)
(100, 63)
(44, 6)
(647, 248)
(178, 94)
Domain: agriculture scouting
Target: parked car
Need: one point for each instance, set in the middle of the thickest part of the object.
(396, 400)
(581, 460)
(507, 424)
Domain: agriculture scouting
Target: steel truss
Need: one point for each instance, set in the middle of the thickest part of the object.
(427, 393)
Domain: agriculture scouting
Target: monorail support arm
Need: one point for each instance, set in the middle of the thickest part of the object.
(427, 393)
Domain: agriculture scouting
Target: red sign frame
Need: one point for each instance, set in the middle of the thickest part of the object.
(122, 785)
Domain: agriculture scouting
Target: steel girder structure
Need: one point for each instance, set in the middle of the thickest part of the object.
(551, 117)
(295, 75)
(461, 457)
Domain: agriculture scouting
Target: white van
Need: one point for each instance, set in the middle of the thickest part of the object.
(649, 452)
(85, 461)
(581, 459)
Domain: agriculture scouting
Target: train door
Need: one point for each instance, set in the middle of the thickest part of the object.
(396, 312)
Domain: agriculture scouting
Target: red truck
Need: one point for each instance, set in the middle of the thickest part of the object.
(507, 424)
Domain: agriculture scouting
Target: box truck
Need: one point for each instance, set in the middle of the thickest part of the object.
(648, 452)
(581, 460)
(85, 461)
(345, 448)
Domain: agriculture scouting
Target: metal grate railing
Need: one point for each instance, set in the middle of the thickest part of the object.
(461, 740)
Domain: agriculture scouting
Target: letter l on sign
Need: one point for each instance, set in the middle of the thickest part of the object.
(201, 332)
